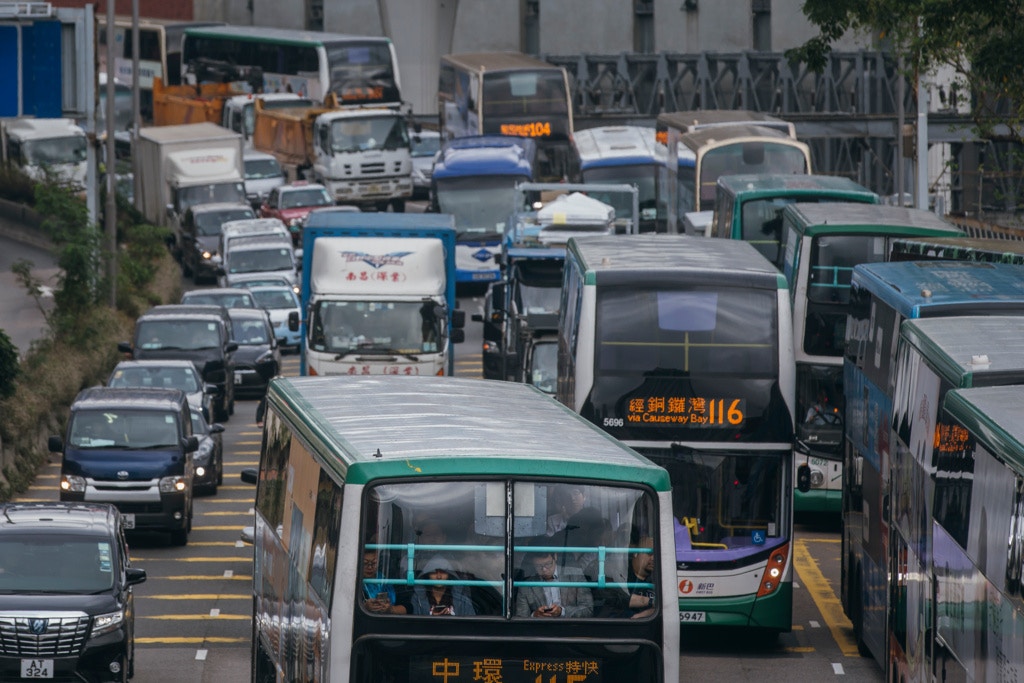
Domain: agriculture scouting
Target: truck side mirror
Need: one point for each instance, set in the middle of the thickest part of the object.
(498, 296)
(124, 347)
(458, 336)
(293, 321)
(55, 444)
(191, 443)
(458, 319)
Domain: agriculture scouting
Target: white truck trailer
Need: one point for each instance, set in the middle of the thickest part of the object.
(181, 166)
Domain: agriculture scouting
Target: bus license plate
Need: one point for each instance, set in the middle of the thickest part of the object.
(37, 668)
(692, 617)
(129, 521)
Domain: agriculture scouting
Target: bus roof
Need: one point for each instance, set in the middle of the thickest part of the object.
(283, 36)
(659, 258)
(498, 61)
(477, 155)
(971, 350)
(688, 121)
(368, 428)
(993, 415)
(871, 219)
(918, 289)
(617, 146)
(752, 186)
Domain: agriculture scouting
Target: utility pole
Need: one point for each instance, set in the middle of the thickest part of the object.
(110, 212)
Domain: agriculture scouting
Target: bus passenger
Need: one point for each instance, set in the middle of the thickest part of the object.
(441, 599)
(554, 601)
(641, 570)
(378, 597)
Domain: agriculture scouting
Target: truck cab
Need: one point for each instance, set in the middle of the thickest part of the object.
(47, 146)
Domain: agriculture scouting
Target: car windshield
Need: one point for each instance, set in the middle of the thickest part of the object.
(259, 260)
(122, 428)
(275, 298)
(313, 196)
(250, 332)
(225, 299)
(208, 222)
(425, 145)
(187, 335)
(183, 378)
(258, 169)
(51, 563)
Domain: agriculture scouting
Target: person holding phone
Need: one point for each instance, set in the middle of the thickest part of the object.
(441, 599)
(554, 601)
(378, 597)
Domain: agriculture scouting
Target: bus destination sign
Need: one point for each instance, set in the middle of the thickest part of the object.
(535, 129)
(686, 411)
(499, 670)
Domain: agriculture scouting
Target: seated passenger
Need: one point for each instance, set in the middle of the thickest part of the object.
(440, 599)
(378, 597)
(553, 601)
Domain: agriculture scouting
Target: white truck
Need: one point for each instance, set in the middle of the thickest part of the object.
(363, 156)
(46, 146)
(181, 166)
(378, 294)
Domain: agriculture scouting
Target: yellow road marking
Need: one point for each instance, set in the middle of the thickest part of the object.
(227, 513)
(199, 596)
(825, 599)
(217, 528)
(212, 544)
(195, 559)
(207, 577)
(198, 617)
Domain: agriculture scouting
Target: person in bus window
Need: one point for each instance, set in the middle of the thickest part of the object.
(554, 601)
(378, 597)
(642, 600)
(440, 599)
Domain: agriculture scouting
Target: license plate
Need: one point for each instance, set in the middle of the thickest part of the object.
(238, 378)
(129, 521)
(692, 617)
(483, 276)
(374, 189)
(37, 668)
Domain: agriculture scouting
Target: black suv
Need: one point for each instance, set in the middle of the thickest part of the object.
(201, 334)
(132, 448)
(200, 236)
(66, 605)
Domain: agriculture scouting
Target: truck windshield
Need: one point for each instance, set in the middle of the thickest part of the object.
(479, 204)
(65, 150)
(372, 132)
(377, 326)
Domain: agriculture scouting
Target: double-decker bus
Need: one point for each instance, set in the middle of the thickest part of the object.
(631, 155)
(723, 142)
(749, 207)
(509, 93)
(977, 521)
(159, 53)
(359, 70)
(681, 347)
(928, 478)
(404, 534)
(822, 243)
(474, 179)
(882, 296)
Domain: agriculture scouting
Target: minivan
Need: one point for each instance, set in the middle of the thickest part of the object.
(131, 448)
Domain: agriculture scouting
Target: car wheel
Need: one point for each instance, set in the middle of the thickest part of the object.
(220, 471)
(231, 407)
(221, 411)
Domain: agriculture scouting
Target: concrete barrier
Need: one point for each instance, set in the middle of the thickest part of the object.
(23, 224)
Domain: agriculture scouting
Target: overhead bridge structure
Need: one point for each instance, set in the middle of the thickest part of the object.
(848, 113)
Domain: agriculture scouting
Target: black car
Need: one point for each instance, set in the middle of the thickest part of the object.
(200, 237)
(66, 605)
(200, 334)
(258, 358)
(208, 459)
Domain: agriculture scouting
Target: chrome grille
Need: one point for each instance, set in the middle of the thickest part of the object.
(42, 634)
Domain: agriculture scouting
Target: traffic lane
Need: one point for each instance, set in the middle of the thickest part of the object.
(22, 317)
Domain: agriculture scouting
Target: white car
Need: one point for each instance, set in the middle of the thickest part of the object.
(262, 174)
(279, 301)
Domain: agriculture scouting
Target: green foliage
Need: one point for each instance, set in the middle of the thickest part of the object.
(979, 39)
(8, 365)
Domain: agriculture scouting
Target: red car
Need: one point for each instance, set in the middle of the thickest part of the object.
(292, 203)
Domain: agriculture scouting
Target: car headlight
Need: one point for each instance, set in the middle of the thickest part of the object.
(105, 623)
(72, 482)
(175, 484)
(295, 222)
(207, 254)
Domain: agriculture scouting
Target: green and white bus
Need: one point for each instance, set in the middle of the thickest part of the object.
(404, 525)
(822, 244)
(682, 347)
(749, 207)
(929, 481)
